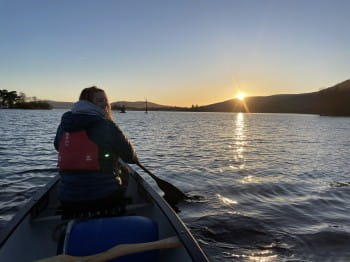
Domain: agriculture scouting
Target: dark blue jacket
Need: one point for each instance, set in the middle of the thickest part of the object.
(84, 186)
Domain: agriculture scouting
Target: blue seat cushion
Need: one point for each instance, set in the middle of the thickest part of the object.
(91, 236)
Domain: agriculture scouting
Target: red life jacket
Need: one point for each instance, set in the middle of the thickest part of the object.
(77, 152)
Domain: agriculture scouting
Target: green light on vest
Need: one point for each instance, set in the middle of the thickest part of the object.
(106, 155)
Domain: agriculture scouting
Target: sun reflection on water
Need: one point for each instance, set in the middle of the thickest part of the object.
(259, 256)
(248, 179)
(239, 140)
(226, 200)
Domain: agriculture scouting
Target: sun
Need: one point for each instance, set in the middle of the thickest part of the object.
(241, 96)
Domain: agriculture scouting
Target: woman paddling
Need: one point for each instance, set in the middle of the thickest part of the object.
(89, 144)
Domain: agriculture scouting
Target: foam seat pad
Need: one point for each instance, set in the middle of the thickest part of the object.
(91, 236)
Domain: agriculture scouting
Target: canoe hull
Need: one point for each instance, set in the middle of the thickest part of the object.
(34, 232)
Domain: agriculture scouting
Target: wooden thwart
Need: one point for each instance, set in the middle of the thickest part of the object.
(118, 251)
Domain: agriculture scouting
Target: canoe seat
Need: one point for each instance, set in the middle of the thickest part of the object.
(109, 207)
(91, 236)
(72, 213)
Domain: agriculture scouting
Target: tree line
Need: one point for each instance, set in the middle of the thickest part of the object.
(10, 99)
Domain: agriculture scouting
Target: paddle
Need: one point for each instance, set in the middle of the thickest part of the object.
(117, 251)
(172, 194)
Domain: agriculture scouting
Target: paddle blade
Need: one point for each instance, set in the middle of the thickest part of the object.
(172, 194)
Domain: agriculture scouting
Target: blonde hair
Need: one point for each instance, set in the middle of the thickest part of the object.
(89, 94)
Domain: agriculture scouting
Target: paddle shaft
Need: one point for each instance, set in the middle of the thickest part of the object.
(148, 172)
(117, 251)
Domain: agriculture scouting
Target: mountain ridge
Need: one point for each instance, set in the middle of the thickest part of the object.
(333, 100)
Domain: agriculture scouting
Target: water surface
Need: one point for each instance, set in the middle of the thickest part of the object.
(274, 187)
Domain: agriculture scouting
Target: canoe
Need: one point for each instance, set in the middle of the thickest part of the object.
(32, 234)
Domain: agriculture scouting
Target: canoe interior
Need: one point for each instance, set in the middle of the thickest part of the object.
(34, 232)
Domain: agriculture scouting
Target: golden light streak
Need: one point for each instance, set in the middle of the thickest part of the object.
(241, 97)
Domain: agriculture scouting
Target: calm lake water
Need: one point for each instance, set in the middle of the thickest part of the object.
(274, 187)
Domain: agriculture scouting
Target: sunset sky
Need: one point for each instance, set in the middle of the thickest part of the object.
(179, 52)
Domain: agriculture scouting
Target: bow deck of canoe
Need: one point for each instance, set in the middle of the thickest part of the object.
(36, 231)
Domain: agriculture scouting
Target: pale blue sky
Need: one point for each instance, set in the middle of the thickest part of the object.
(173, 52)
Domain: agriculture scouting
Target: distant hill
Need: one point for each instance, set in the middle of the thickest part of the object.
(330, 101)
(60, 105)
(343, 86)
(300, 103)
(138, 105)
(335, 100)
